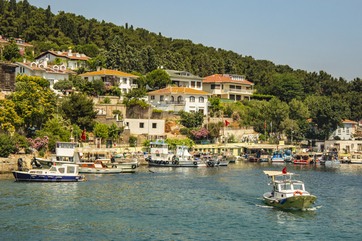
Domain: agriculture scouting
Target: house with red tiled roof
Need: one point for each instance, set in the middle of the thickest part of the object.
(228, 86)
(109, 76)
(72, 60)
(179, 98)
(21, 44)
(53, 73)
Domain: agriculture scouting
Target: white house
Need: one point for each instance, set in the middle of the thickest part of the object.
(53, 73)
(122, 79)
(145, 126)
(72, 60)
(346, 132)
(185, 79)
(179, 98)
(228, 86)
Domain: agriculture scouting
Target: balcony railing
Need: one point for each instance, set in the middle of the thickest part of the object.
(176, 102)
(243, 91)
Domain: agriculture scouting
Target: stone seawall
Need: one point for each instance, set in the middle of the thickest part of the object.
(11, 163)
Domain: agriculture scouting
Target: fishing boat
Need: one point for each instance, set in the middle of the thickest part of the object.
(329, 157)
(288, 156)
(64, 173)
(160, 156)
(303, 159)
(287, 193)
(264, 158)
(98, 167)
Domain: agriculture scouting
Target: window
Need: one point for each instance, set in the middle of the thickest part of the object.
(339, 131)
(198, 84)
(238, 97)
(179, 99)
(232, 97)
(192, 84)
(127, 123)
(61, 169)
(192, 111)
(215, 87)
(232, 87)
(162, 97)
(201, 99)
(201, 111)
(152, 97)
(70, 169)
(142, 125)
(192, 98)
(347, 130)
(154, 125)
(172, 99)
(124, 80)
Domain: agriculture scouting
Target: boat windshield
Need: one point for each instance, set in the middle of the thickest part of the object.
(53, 169)
(298, 187)
(285, 186)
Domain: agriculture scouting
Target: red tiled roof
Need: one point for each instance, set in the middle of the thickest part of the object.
(343, 121)
(179, 90)
(65, 55)
(49, 68)
(108, 72)
(216, 78)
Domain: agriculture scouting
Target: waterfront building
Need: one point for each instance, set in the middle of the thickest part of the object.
(145, 126)
(346, 132)
(228, 86)
(179, 98)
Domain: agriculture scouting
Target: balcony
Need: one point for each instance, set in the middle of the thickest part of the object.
(241, 91)
(176, 102)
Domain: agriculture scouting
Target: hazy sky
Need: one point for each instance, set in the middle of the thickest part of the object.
(311, 35)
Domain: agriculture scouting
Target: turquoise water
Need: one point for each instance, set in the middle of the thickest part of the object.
(222, 203)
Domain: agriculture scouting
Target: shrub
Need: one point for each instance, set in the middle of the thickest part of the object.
(156, 111)
(132, 140)
(184, 131)
(7, 146)
(107, 100)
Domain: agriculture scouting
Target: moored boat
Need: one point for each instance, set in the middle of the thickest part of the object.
(287, 193)
(161, 157)
(64, 173)
(303, 159)
(277, 157)
(98, 167)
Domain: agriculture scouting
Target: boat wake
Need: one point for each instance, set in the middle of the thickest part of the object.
(263, 206)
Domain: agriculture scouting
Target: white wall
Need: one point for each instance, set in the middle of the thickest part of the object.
(148, 126)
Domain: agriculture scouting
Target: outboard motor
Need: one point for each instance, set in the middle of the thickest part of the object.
(113, 160)
(20, 164)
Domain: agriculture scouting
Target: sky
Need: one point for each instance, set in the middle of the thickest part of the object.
(311, 35)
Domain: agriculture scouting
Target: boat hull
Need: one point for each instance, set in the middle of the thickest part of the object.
(176, 164)
(297, 202)
(30, 177)
(105, 170)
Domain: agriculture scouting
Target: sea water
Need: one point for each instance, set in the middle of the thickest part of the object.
(223, 203)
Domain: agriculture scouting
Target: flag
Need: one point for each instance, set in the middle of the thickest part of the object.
(284, 171)
(227, 123)
(83, 135)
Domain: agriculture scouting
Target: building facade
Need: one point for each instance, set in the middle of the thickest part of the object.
(179, 98)
(7, 78)
(228, 86)
(21, 44)
(145, 126)
(123, 80)
(71, 60)
(185, 79)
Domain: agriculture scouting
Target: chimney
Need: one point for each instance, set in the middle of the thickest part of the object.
(98, 68)
(24, 59)
(45, 63)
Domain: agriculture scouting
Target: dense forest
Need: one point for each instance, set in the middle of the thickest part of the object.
(139, 50)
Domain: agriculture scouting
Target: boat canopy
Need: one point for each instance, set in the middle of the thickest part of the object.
(277, 173)
(158, 142)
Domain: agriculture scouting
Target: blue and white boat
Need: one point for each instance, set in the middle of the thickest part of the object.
(64, 173)
(277, 157)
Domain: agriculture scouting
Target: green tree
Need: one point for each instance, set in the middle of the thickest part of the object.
(286, 87)
(63, 85)
(191, 119)
(11, 51)
(79, 110)
(101, 130)
(158, 78)
(9, 118)
(7, 146)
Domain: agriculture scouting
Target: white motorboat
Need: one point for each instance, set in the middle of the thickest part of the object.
(64, 173)
(98, 167)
